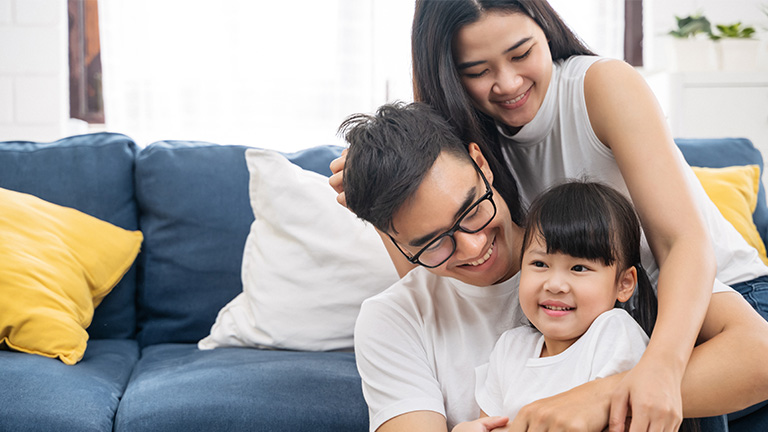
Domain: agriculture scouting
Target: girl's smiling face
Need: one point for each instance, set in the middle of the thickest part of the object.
(562, 295)
(505, 66)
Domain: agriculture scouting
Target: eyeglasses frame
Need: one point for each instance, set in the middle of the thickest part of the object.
(488, 195)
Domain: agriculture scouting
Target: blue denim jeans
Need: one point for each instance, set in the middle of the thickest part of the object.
(754, 418)
(755, 292)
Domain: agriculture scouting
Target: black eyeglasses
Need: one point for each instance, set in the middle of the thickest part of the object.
(473, 220)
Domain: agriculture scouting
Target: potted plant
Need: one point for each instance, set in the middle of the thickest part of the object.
(691, 48)
(737, 47)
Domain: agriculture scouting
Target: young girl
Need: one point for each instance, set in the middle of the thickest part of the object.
(580, 267)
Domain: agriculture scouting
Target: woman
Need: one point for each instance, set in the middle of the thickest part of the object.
(511, 75)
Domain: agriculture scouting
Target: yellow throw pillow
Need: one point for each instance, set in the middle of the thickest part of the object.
(734, 189)
(56, 265)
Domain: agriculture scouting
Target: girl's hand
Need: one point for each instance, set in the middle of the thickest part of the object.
(483, 424)
(651, 395)
(337, 179)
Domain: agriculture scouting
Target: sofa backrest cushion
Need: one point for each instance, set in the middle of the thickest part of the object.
(94, 174)
(195, 216)
(723, 152)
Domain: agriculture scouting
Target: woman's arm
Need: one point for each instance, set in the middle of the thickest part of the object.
(626, 117)
(727, 370)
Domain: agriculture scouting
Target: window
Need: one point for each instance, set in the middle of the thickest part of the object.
(269, 74)
(279, 75)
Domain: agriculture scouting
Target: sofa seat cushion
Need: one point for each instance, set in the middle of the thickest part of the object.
(94, 174)
(176, 387)
(43, 394)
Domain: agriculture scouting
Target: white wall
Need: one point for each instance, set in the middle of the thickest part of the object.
(34, 80)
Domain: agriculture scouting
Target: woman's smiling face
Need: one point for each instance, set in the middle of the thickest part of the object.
(505, 66)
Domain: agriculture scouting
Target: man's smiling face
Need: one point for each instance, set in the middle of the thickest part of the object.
(450, 187)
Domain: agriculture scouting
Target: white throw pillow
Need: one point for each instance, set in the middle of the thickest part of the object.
(308, 264)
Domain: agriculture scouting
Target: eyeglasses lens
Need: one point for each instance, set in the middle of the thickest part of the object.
(443, 247)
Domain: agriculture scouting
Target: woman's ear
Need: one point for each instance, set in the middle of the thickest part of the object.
(626, 284)
(482, 163)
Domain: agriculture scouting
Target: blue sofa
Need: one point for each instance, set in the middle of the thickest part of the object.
(142, 369)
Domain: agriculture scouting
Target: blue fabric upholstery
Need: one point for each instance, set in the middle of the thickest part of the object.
(316, 159)
(43, 394)
(177, 387)
(723, 152)
(195, 216)
(94, 174)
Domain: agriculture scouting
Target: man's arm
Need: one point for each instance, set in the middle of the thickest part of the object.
(415, 421)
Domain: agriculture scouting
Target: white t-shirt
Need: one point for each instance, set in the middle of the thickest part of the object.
(559, 144)
(517, 375)
(418, 343)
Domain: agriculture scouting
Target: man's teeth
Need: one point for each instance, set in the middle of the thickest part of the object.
(557, 308)
(484, 258)
(515, 100)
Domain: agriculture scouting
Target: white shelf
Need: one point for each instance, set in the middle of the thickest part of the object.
(715, 104)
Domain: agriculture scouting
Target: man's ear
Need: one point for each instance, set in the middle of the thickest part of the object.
(626, 284)
(482, 163)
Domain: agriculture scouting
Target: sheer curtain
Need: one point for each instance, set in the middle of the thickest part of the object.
(599, 23)
(272, 74)
(264, 73)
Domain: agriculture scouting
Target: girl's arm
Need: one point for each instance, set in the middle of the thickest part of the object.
(483, 424)
(626, 117)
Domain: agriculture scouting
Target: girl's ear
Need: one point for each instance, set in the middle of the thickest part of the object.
(482, 163)
(626, 284)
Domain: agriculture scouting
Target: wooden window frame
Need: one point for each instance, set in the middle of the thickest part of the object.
(86, 98)
(633, 32)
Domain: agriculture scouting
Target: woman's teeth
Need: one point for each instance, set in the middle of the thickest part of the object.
(515, 100)
(484, 258)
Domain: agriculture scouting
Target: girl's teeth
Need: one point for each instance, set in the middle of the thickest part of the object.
(557, 308)
(484, 258)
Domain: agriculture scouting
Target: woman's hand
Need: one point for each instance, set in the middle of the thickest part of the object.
(651, 395)
(583, 408)
(337, 178)
(483, 424)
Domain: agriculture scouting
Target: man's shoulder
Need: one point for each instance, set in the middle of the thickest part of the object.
(416, 287)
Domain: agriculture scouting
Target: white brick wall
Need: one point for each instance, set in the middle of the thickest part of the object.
(34, 70)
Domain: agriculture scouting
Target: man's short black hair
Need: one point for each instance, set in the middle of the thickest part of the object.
(389, 155)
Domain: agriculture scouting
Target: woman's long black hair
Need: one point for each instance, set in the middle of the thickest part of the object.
(437, 82)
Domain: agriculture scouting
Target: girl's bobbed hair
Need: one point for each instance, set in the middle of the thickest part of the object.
(593, 221)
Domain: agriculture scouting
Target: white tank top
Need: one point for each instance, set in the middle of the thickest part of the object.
(559, 144)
